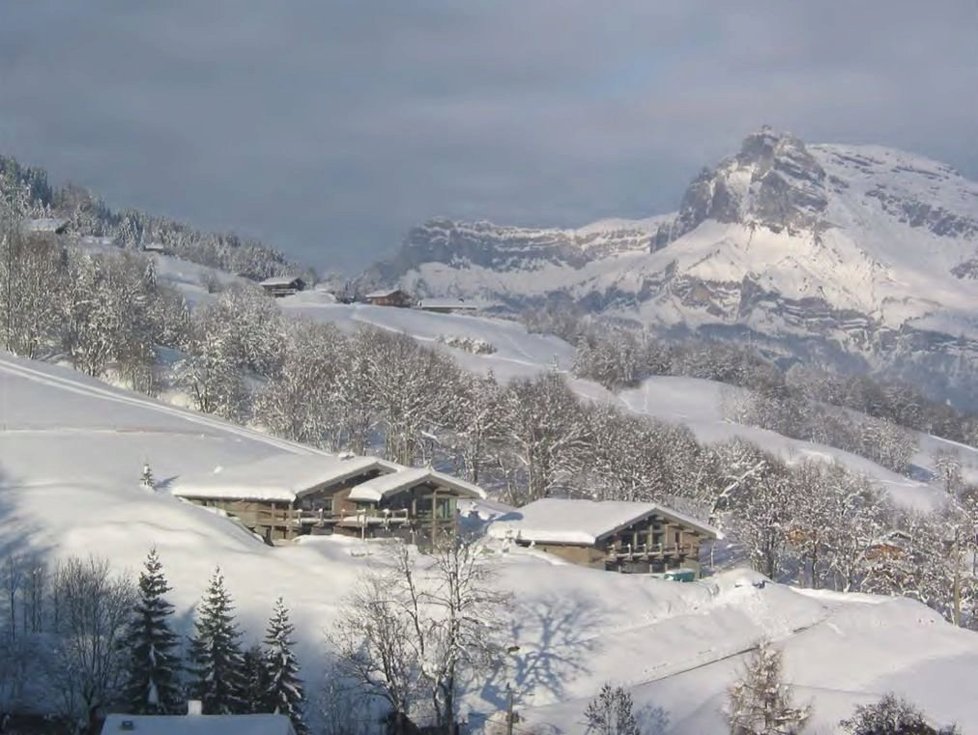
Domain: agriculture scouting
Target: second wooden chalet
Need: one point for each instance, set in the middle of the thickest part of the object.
(289, 495)
(617, 536)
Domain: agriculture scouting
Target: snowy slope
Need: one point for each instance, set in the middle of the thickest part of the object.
(691, 402)
(70, 454)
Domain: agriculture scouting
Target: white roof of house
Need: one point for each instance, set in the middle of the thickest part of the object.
(198, 725)
(281, 477)
(382, 293)
(280, 281)
(451, 304)
(379, 487)
(582, 522)
(45, 224)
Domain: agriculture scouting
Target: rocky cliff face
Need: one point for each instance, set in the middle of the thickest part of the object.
(870, 252)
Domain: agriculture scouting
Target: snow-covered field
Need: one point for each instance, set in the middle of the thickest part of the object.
(71, 451)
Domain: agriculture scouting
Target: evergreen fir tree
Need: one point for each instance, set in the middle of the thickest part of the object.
(153, 667)
(284, 694)
(256, 681)
(215, 653)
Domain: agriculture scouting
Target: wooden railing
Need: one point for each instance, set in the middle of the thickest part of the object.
(642, 551)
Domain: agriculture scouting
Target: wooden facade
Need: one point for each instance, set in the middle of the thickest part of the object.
(282, 286)
(394, 297)
(652, 544)
(619, 536)
(419, 514)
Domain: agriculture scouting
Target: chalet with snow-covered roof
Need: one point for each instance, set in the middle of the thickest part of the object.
(389, 297)
(197, 724)
(617, 536)
(289, 495)
(282, 285)
(47, 226)
(451, 306)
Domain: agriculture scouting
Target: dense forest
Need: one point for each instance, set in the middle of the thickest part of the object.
(27, 191)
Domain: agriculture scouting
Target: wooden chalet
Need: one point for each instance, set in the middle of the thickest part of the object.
(616, 536)
(282, 285)
(449, 306)
(389, 297)
(289, 495)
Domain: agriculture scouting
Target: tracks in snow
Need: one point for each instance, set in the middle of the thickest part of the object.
(106, 394)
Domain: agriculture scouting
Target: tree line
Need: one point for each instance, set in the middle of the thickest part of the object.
(84, 640)
(621, 357)
(27, 192)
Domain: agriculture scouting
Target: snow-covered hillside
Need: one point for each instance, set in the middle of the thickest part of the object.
(71, 450)
(837, 250)
(690, 402)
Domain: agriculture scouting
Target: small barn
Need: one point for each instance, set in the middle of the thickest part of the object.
(616, 536)
(282, 285)
(389, 297)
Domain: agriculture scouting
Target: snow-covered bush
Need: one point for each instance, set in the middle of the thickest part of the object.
(470, 344)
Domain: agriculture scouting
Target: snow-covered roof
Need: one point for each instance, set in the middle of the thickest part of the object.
(452, 304)
(382, 293)
(583, 522)
(280, 281)
(46, 224)
(262, 724)
(281, 477)
(377, 488)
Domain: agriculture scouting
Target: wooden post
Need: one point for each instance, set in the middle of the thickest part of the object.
(434, 516)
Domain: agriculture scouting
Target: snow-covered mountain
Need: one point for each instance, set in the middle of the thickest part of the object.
(839, 249)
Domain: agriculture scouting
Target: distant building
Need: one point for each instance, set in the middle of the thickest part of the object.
(289, 495)
(197, 724)
(48, 225)
(616, 536)
(282, 285)
(389, 297)
(451, 306)
(156, 247)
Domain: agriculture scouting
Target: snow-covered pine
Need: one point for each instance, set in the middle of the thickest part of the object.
(760, 703)
(216, 661)
(153, 650)
(284, 693)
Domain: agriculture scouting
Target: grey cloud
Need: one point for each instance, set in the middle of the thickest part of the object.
(331, 127)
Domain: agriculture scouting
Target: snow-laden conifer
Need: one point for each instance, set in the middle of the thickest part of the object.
(152, 648)
(284, 694)
(215, 653)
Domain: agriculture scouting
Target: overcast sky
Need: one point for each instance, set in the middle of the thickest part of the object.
(329, 127)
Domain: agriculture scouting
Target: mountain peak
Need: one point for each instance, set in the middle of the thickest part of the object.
(774, 181)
